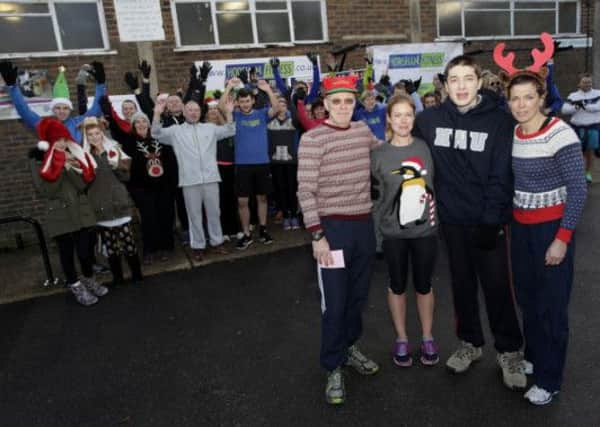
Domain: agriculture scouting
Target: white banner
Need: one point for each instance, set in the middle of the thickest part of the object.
(291, 68)
(413, 60)
(139, 20)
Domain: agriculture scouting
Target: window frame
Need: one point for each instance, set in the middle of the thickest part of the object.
(512, 9)
(59, 43)
(252, 11)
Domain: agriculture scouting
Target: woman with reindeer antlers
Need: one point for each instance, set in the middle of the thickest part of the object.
(550, 192)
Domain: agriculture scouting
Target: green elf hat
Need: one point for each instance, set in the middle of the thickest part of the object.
(60, 92)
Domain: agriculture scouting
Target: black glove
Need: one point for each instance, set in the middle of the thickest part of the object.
(485, 236)
(193, 72)
(98, 72)
(132, 81)
(105, 105)
(145, 69)
(243, 76)
(300, 93)
(274, 62)
(205, 71)
(385, 80)
(9, 73)
(411, 86)
(312, 57)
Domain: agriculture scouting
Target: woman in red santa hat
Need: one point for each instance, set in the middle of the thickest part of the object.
(65, 172)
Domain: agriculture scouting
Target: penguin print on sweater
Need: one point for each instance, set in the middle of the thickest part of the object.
(413, 203)
(404, 204)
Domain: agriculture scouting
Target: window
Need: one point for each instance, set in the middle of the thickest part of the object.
(516, 18)
(220, 23)
(52, 26)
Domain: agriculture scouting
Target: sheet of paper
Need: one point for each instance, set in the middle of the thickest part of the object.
(338, 260)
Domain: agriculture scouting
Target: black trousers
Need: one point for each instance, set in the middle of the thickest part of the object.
(285, 185)
(69, 244)
(471, 266)
(181, 212)
(157, 211)
(230, 222)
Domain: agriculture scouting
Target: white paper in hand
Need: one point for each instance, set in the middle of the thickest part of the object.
(338, 260)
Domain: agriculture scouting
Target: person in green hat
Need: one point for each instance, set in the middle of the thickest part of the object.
(60, 105)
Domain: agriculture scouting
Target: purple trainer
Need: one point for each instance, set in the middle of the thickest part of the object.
(401, 354)
(429, 353)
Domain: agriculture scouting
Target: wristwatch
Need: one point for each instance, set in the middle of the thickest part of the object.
(317, 235)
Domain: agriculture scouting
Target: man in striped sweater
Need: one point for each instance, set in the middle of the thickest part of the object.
(334, 194)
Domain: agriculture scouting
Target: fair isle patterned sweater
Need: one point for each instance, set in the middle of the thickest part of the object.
(334, 173)
(549, 177)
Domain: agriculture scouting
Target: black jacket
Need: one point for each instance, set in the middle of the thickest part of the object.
(472, 156)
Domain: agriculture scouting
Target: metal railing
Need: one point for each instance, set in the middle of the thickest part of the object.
(50, 280)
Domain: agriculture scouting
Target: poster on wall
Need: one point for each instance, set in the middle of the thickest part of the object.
(413, 61)
(291, 68)
(36, 89)
(139, 20)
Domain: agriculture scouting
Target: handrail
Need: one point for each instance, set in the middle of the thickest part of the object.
(51, 280)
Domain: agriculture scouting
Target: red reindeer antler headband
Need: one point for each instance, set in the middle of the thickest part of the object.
(539, 57)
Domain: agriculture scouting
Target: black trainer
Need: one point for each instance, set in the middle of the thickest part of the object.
(243, 242)
(264, 237)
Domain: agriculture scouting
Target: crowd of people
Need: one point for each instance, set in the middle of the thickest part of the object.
(366, 166)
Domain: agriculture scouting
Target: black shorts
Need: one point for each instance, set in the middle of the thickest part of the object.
(422, 253)
(253, 180)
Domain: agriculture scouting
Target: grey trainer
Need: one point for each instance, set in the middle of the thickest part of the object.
(513, 374)
(335, 394)
(462, 358)
(361, 363)
(82, 295)
(94, 287)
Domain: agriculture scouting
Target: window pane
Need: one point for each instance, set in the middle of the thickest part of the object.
(27, 34)
(307, 20)
(24, 8)
(535, 5)
(79, 25)
(449, 18)
(487, 5)
(273, 27)
(231, 6)
(271, 5)
(235, 28)
(533, 23)
(487, 24)
(567, 18)
(195, 23)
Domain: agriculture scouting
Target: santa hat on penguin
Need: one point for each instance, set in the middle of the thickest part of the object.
(72, 157)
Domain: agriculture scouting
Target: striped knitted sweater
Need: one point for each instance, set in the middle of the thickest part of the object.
(334, 173)
(549, 177)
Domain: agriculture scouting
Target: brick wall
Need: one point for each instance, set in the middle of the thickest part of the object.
(345, 18)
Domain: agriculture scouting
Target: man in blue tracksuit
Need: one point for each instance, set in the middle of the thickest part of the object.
(470, 137)
(61, 106)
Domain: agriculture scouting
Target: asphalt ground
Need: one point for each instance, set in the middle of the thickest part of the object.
(236, 343)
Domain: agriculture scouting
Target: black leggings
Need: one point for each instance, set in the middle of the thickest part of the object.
(77, 241)
(285, 185)
(422, 252)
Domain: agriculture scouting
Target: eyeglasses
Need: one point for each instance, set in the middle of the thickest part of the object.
(346, 101)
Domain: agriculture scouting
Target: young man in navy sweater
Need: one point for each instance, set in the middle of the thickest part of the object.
(470, 137)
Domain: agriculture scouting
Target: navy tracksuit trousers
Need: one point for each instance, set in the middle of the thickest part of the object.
(543, 294)
(344, 291)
